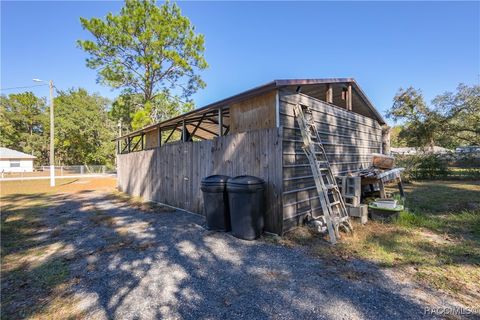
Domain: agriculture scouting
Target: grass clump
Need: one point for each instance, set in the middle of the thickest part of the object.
(436, 240)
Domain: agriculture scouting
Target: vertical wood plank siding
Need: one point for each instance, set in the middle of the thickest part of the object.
(254, 113)
(172, 173)
(349, 139)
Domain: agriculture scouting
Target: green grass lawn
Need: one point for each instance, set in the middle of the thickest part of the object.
(35, 278)
(436, 240)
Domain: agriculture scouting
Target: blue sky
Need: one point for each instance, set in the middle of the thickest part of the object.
(384, 45)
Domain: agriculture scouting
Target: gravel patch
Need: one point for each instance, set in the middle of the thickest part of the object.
(133, 264)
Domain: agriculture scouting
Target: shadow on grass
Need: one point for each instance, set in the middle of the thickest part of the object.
(157, 263)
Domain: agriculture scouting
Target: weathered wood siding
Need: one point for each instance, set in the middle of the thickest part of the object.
(151, 139)
(349, 139)
(172, 173)
(254, 113)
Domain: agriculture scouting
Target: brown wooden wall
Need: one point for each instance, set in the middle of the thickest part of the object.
(254, 113)
(349, 139)
(151, 139)
(172, 173)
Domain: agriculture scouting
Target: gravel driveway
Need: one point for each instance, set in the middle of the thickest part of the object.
(134, 264)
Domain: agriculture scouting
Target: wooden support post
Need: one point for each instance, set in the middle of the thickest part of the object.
(220, 122)
(349, 97)
(159, 134)
(381, 186)
(142, 139)
(329, 94)
(171, 133)
(184, 131)
(196, 127)
(119, 146)
(386, 131)
(124, 148)
(400, 187)
(129, 144)
(277, 109)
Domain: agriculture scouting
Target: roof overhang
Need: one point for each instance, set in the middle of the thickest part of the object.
(276, 84)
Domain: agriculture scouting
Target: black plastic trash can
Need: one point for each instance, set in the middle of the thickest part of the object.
(215, 202)
(246, 200)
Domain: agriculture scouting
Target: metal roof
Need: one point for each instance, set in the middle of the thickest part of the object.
(6, 153)
(254, 92)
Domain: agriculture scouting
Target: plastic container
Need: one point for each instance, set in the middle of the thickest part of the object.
(386, 203)
(246, 200)
(384, 214)
(215, 202)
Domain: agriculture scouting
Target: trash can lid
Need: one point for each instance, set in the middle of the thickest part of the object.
(215, 179)
(246, 181)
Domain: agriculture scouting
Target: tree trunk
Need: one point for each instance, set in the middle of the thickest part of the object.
(386, 130)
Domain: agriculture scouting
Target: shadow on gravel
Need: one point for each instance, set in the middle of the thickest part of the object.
(129, 263)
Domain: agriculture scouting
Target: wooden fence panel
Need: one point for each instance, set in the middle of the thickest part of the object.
(172, 173)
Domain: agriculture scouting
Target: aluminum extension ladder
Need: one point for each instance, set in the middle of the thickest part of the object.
(333, 206)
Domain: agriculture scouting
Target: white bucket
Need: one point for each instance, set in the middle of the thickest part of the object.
(387, 204)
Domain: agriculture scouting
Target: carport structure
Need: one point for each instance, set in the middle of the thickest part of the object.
(254, 132)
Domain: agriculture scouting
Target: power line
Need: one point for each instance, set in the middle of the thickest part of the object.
(26, 87)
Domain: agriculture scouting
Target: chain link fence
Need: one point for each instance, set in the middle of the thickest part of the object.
(62, 171)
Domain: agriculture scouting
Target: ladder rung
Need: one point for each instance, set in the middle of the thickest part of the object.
(314, 150)
(339, 220)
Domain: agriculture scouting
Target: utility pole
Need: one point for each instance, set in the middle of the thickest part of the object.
(119, 142)
(52, 140)
(52, 133)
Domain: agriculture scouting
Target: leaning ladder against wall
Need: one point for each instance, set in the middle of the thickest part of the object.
(331, 200)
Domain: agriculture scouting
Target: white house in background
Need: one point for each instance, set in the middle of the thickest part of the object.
(412, 150)
(15, 161)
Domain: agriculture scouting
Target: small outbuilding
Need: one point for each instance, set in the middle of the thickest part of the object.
(254, 133)
(15, 161)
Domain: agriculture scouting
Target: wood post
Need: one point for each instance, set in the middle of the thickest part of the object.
(129, 144)
(142, 140)
(329, 93)
(386, 130)
(220, 122)
(171, 133)
(196, 127)
(159, 134)
(381, 186)
(184, 131)
(400, 187)
(349, 97)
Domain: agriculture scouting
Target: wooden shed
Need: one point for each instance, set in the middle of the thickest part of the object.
(254, 133)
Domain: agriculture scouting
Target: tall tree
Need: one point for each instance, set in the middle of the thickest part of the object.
(395, 140)
(148, 50)
(133, 114)
(124, 108)
(83, 130)
(460, 112)
(420, 122)
(452, 119)
(22, 122)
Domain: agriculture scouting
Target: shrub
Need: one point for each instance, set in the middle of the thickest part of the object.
(422, 166)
